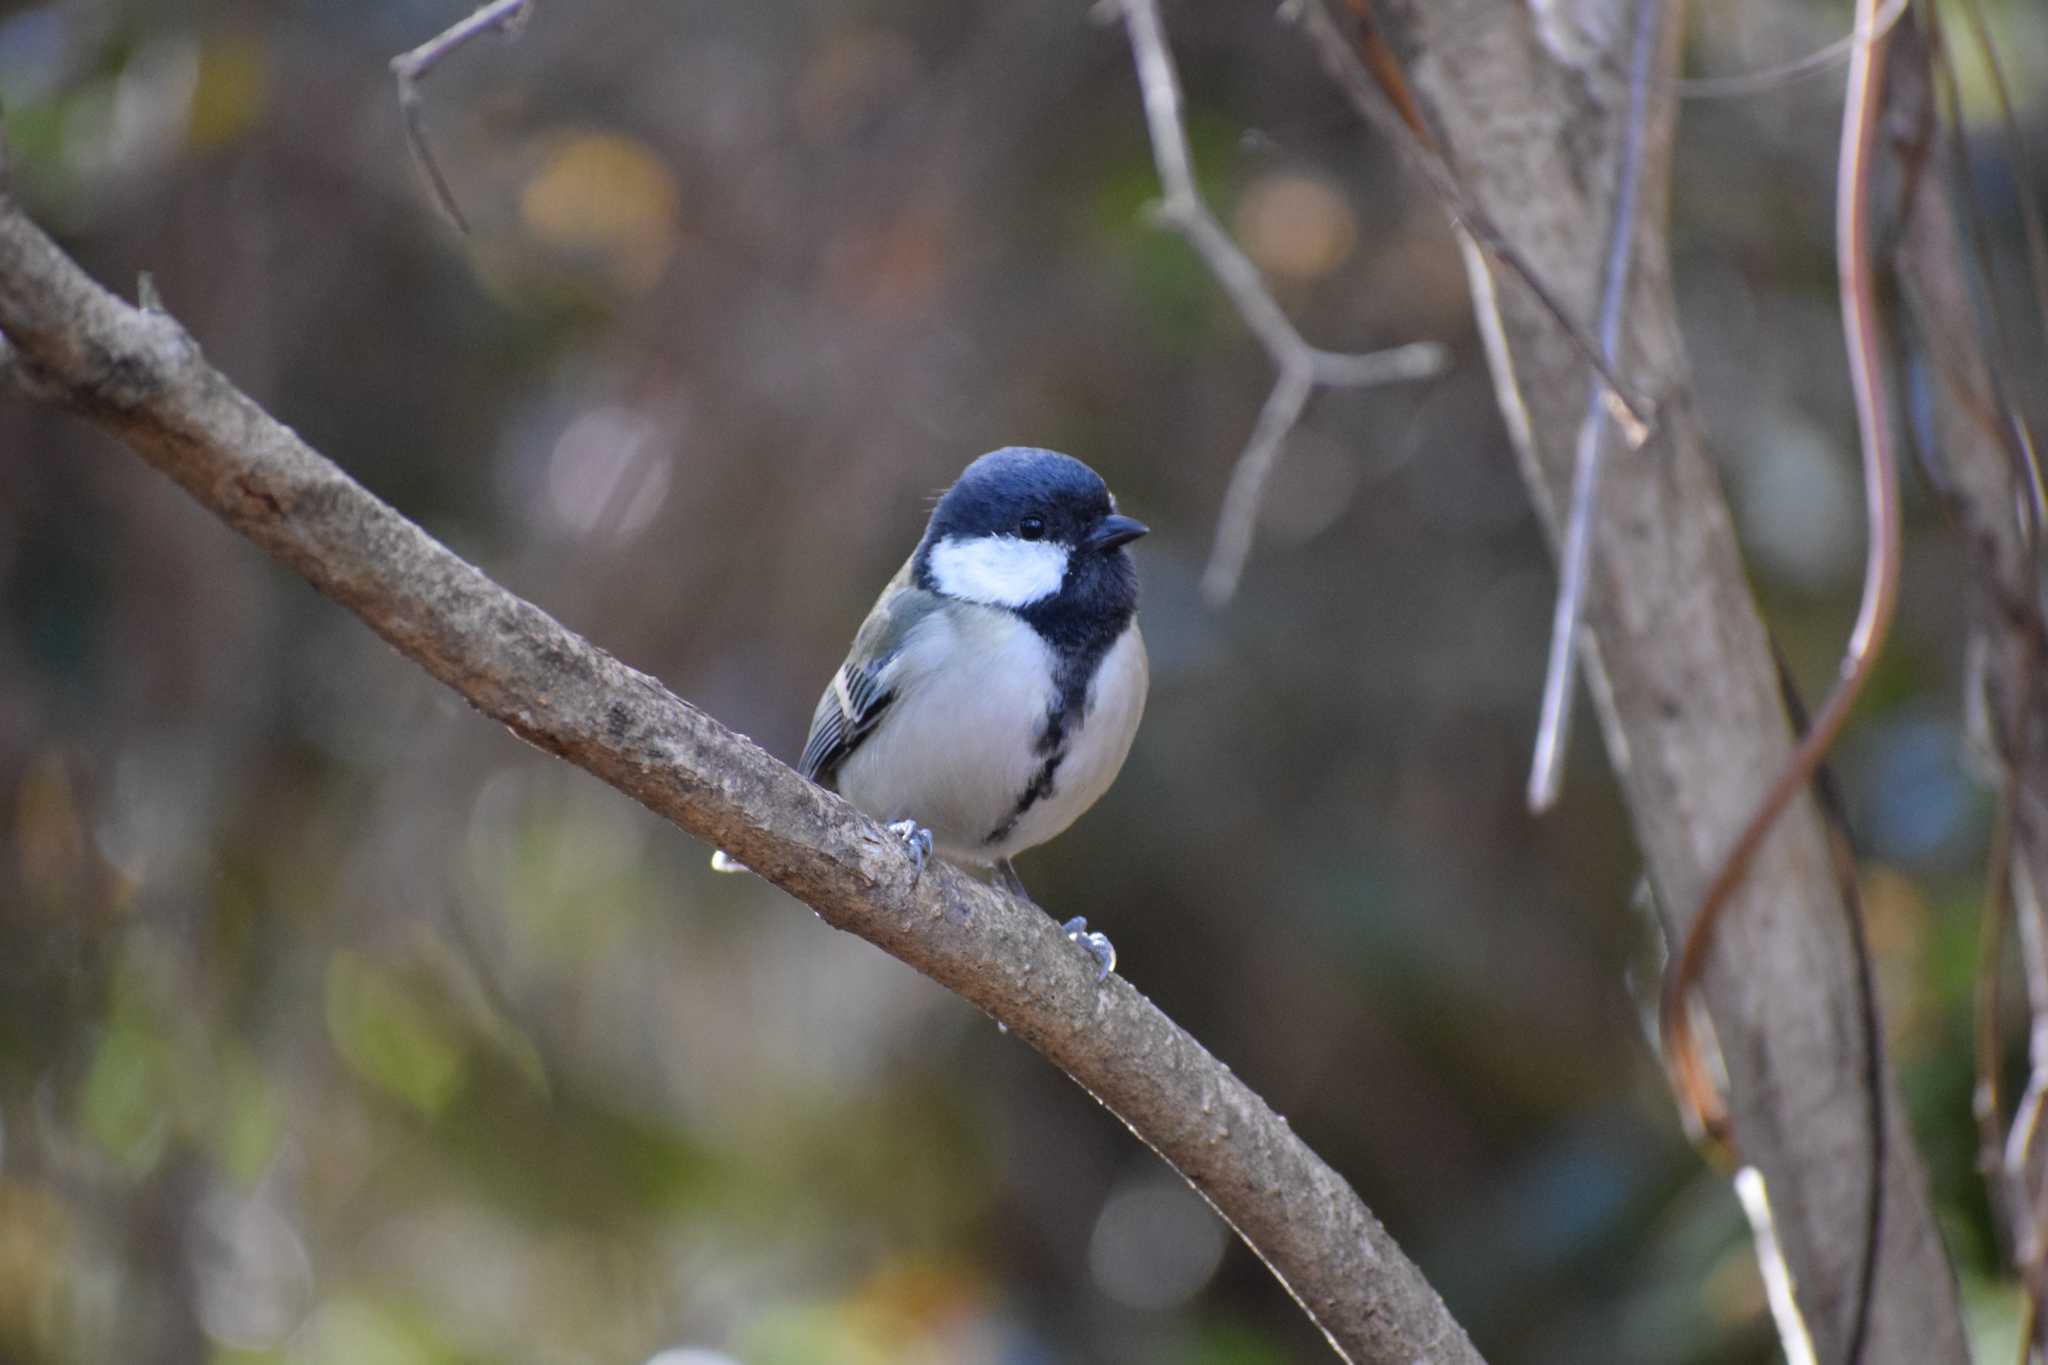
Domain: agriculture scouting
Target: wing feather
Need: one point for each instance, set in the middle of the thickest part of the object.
(860, 692)
(845, 715)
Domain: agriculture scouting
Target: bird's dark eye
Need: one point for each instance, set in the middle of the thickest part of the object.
(1032, 528)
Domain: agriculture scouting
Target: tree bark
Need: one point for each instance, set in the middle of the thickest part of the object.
(1677, 659)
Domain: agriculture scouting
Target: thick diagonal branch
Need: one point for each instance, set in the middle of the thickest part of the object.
(138, 375)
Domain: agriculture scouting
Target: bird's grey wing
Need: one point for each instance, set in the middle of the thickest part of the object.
(865, 684)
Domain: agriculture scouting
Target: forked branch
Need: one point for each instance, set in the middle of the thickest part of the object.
(1301, 366)
(410, 68)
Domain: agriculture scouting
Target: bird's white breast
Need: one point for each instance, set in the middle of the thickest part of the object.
(958, 745)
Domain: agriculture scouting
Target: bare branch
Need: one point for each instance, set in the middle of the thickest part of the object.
(1301, 366)
(139, 376)
(1560, 676)
(410, 68)
(1248, 481)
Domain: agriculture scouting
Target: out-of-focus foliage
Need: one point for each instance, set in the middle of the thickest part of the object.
(335, 1026)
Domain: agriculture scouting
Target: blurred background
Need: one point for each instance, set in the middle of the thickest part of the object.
(338, 1026)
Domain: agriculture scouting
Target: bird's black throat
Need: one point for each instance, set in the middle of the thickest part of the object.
(1081, 621)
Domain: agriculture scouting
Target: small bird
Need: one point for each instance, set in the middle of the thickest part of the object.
(992, 694)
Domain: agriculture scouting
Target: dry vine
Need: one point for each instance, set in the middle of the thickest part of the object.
(1696, 1089)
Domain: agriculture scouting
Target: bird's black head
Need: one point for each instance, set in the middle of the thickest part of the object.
(1037, 533)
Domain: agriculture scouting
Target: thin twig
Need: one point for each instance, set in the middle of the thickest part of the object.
(1553, 730)
(2017, 1179)
(1985, 1104)
(1690, 1077)
(2021, 1142)
(410, 68)
(1779, 1290)
(2007, 1181)
(1343, 65)
(1233, 544)
(1784, 73)
(1301, 366)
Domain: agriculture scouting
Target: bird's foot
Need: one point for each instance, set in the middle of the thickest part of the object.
(917, 840)
(1096, 946)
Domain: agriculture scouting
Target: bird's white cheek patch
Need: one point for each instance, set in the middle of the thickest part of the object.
(998, 571)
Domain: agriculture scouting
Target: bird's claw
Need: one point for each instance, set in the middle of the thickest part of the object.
(1096, 946)
(917, 840)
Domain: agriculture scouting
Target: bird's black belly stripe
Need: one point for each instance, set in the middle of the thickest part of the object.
(1069, 709)
(1040, 788)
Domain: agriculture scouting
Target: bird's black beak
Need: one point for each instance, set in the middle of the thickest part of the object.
(1114, 530)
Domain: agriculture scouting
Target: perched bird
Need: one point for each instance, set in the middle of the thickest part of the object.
(993, 691)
